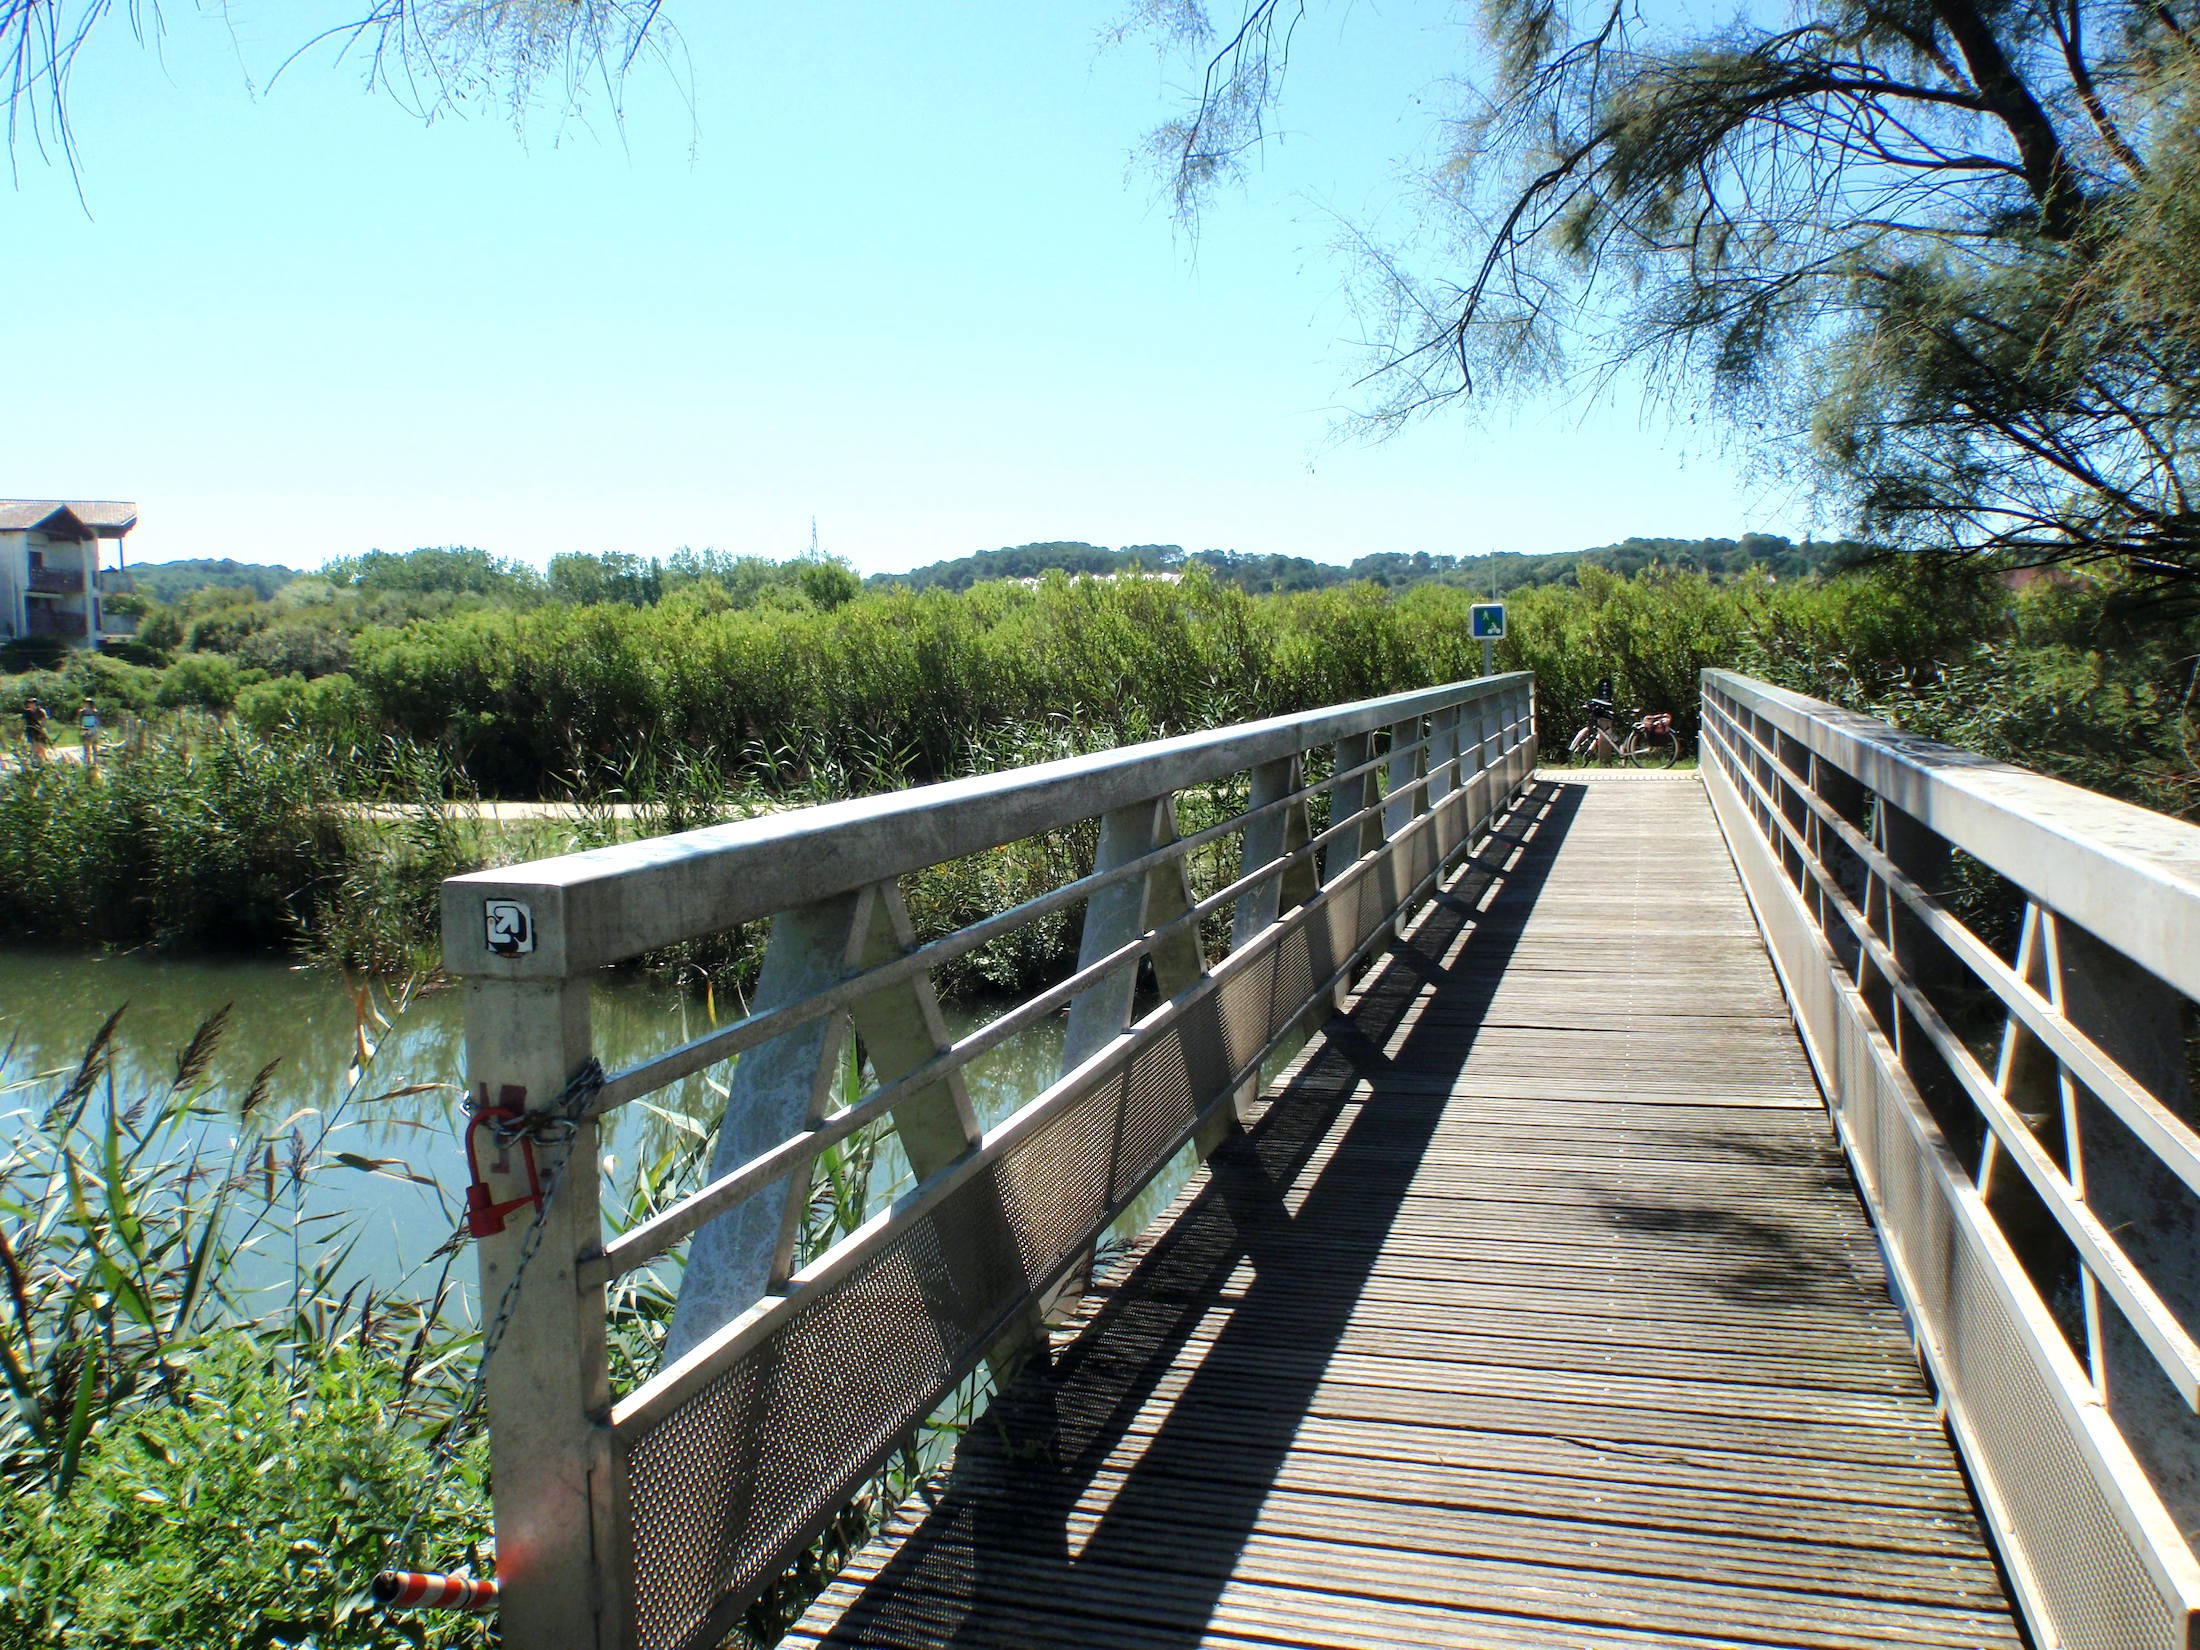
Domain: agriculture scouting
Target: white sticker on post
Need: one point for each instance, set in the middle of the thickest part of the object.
(511, 927)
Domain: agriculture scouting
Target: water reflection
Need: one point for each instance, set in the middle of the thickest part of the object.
(308, 1023)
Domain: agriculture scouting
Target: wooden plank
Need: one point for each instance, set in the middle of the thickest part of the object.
(1534, 1310)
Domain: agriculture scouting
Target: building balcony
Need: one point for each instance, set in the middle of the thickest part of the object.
(40, 620)
(57, 581)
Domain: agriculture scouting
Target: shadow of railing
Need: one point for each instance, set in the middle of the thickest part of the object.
(1093, 1476)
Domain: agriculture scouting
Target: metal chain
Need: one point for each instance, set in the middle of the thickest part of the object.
(556, 1125)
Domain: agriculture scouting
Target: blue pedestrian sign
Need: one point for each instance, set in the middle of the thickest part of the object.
(1487, 621)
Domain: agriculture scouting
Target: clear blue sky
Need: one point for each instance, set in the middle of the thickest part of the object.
(898, 268)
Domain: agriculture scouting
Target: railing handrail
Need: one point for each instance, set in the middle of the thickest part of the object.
(2019, 1124)
(2107, 865)
(607, 904)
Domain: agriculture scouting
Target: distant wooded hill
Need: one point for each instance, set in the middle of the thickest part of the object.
(170, 581)
(1718, 558)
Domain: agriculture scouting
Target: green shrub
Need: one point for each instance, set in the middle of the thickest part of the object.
(117, 684)
(192, 1456)
(49, 687)
(216, 619)
(205, 681)
(327, 708)
(253, 1517)
(308, 650)
(161, 628)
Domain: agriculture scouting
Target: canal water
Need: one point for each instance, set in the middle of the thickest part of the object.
(399, 1184)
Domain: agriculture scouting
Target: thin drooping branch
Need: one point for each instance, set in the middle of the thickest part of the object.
(433, 55)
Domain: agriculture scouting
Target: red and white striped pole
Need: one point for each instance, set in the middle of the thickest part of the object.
(423, 1590)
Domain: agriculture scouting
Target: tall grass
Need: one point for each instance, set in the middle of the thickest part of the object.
(211, 1436)
(216, 1429)
(915, 683)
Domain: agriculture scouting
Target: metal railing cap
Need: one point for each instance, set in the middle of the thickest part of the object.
(2129, 875)
(580, 911)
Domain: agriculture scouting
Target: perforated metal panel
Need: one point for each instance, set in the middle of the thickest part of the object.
(728, 1484)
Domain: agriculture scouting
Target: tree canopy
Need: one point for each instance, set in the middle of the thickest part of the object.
(1947, 250)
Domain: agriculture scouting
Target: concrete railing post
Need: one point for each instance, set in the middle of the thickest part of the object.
(548, 1382)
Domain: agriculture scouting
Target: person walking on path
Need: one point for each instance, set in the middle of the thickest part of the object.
(34, 728)
(87, 726)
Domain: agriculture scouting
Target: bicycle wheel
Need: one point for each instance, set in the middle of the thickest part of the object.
(1652, 750)
(1576, 751)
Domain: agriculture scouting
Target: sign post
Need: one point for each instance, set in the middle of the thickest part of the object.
(1486, 623)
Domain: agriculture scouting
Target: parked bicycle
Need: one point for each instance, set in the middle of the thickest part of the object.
(1647, 742)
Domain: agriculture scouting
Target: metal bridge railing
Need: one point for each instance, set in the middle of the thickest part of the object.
(648, 1519)
(1993, 973)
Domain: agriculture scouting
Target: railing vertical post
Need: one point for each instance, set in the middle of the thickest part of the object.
(1921, 854)
(777, 1087)
(1114, 917)
(1791, 773)
(1347, 797)
(1404, 799)
(1178, 958)
(1340, 851)
(1492, 716)
(548, 1382)
(1370, 792)
(1402, 775)
(901, 1027)
(2142, 1024)
(1443, 753)
(1266, 840)
(1844, 794)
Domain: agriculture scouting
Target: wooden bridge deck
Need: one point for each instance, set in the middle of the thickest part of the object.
(1537, 1309)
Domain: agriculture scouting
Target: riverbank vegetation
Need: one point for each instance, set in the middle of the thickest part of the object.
(221, 1424)
(212, 1435)
(300, 771)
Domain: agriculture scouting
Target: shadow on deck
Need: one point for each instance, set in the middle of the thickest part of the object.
(1535, 1309)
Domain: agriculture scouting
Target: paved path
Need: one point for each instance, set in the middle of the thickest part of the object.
(1537, 1310)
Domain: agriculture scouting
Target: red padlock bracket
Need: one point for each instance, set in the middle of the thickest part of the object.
(484, 1216)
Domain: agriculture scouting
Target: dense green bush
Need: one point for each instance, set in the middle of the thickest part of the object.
(212, 1435)
(253, 1516)
(252, 836)
(32, 653)
(216, 620)
(305, 648)
(202, 681)
(527, 696)
(117, 685)
(327, 708)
